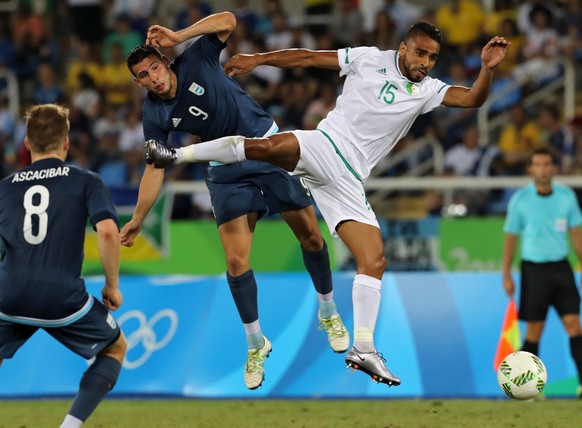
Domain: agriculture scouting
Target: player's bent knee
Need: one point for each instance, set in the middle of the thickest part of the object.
(237, 264)
(373, 267)
(312, 240)
(117, 349)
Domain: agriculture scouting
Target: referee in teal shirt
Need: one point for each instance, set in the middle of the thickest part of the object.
(543, 214)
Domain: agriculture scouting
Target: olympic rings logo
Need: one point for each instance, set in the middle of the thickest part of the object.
(145, 334)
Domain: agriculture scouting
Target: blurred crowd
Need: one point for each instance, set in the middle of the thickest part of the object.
(73, 52)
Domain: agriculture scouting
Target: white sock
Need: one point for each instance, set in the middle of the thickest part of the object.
(180, 158)
(366, 300)
(71, 422)
(225, 150)
(327, 306)
(323, 298)
(254, 335)
(253, 327)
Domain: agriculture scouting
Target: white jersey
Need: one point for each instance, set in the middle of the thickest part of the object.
(378, 104)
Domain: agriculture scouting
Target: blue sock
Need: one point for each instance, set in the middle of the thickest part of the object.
(244, 292)
(317, 264)
(97, 381)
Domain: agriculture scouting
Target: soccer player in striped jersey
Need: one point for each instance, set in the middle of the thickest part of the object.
(44, 210)
(383, 94)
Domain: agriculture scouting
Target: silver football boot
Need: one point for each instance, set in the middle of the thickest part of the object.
(158, 155)
(373, 364)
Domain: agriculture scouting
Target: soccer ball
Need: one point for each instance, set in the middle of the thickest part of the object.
(522, 375)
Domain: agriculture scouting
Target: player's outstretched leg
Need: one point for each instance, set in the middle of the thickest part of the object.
(226, 150)
(255, 368)
(373, 364)
(337, 334)
(159, 155)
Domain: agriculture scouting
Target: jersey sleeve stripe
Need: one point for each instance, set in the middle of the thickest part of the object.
(442, 87)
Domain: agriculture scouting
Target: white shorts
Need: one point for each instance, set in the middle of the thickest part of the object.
(334, 184)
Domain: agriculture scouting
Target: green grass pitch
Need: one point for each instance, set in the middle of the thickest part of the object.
(389, 413)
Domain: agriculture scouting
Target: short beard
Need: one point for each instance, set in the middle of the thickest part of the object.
(408, 74)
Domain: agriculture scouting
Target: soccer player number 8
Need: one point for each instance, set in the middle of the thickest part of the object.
(38, 210)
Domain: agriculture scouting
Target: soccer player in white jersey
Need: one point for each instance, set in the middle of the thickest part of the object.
(384, 92)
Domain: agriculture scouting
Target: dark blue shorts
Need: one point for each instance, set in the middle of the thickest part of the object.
(86, 337)
(241, 188)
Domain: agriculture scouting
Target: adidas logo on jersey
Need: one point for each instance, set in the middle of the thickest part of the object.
(382, 71)
(176, 121)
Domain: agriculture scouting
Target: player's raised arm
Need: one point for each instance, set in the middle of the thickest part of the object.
(285, 58)
(492, 54)
(222, 24)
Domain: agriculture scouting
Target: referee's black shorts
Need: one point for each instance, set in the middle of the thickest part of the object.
(544, 285)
